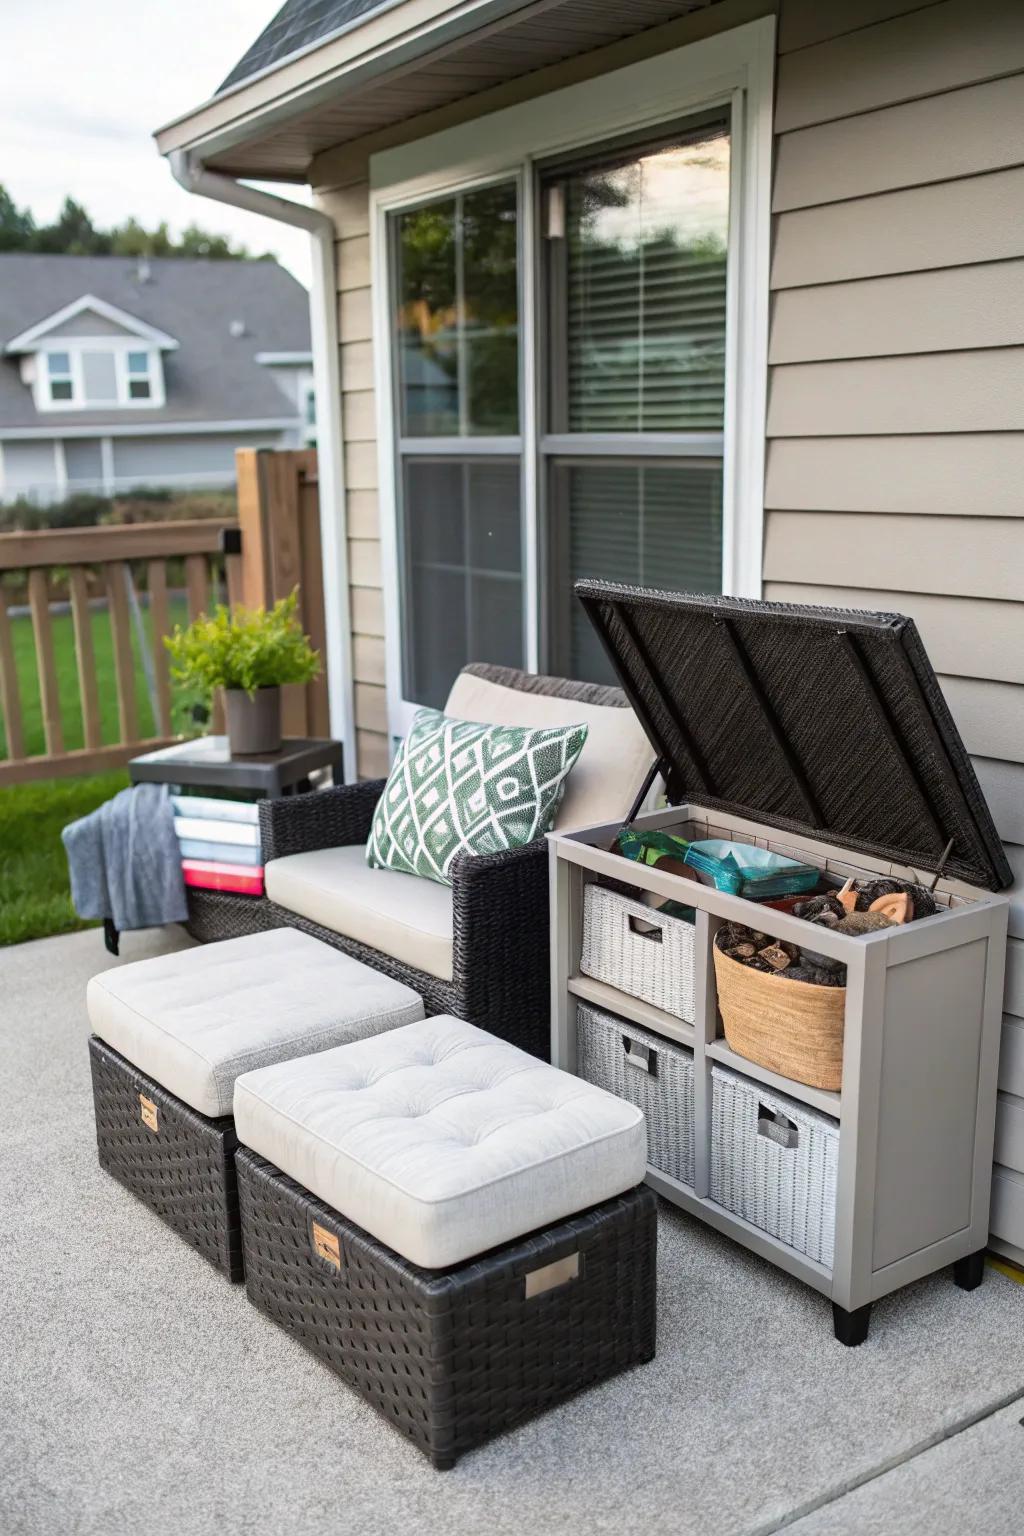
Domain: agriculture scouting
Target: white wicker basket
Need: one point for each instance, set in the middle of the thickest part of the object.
(654, 1074)
(774, 1162)
(639, 950)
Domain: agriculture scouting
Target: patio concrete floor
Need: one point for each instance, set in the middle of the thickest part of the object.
(140, 1391)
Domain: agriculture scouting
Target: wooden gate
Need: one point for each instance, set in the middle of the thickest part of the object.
(279, 528)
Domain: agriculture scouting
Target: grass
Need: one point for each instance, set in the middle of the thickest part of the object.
(35, 895)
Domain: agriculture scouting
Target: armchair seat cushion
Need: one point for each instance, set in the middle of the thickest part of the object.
(400, 915)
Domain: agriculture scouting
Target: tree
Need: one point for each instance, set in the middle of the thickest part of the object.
(17, 226)
(74, 234)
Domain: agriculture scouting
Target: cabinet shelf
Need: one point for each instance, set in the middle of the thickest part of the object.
(632, 1008)
(818, 1098)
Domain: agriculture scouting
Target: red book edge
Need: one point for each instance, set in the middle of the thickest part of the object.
(243, 879)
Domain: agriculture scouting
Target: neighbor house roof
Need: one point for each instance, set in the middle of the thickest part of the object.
(211, 375)
(297, 25)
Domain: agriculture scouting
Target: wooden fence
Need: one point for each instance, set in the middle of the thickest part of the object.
(273, 547)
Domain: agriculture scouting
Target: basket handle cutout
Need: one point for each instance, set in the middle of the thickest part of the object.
(777, 1127)
(643, 1057)
(550, 1276)
(644, 929)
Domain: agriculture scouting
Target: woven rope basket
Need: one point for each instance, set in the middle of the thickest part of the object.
(792, 1027)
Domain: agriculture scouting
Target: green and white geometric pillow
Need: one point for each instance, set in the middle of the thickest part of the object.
(459, 787)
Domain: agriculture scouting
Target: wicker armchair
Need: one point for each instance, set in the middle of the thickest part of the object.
(499, 960)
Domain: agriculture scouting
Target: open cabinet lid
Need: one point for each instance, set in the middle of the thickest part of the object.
(824, 721)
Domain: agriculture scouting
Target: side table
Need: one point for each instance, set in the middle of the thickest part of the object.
(206, 763)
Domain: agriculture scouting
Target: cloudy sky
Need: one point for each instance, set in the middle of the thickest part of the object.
(86, 82)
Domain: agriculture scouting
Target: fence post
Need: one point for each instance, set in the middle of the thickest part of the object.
(281, 550)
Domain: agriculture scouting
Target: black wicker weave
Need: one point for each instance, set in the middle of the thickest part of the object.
(829, 722)
(184, 1170)
(453, 1357)
(500, 960)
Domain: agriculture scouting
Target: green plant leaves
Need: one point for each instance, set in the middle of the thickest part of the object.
(246, 648)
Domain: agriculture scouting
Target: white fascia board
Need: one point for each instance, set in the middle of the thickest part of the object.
(284, 359)
(152, 429)
(36, 333)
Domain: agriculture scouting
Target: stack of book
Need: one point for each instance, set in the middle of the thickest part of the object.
(220, 844)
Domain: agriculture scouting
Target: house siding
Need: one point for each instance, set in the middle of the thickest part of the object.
(896, 375)
(895, 450)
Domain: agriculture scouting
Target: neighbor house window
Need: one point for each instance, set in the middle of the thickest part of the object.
(634, 279)
(455, 308)
(59, 377)
(93, 374)
(139, 383)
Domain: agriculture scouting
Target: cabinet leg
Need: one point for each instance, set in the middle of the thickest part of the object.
(851, 1327)
(968, 1273)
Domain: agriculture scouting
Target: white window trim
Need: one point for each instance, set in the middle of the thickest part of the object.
(734, 68)
(74, 346)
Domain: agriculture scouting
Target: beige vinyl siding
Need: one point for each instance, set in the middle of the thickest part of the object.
(954, 474)
(961, 133)
(953, 223)
(349, 208)
(895, 458)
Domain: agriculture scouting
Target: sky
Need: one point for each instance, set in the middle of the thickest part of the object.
(86, 84)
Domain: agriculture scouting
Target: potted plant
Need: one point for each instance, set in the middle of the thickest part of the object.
(249, 653)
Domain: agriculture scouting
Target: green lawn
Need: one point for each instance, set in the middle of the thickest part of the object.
(35, 898)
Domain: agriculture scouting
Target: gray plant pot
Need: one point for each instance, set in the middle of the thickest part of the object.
(254, 724)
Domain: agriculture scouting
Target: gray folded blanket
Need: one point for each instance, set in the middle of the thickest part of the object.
(125, 862)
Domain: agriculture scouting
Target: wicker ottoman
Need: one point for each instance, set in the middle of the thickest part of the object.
(170, 1037)
(452, 1225)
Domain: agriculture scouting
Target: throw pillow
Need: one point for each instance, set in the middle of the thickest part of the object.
(460, 787)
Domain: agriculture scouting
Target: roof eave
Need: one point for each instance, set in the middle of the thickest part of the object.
(27, 340)
(389, 40)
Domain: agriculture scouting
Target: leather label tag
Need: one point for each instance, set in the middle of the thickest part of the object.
(148, 1111)
(326, 1245)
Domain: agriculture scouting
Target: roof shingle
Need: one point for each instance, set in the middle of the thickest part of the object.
(298, 24)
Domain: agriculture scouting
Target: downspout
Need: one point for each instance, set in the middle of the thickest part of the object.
(323, 323)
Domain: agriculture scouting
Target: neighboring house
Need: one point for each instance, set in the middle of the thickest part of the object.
(714, 294)
(117, 372)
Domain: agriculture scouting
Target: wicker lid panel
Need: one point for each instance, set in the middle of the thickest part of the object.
(828, 722)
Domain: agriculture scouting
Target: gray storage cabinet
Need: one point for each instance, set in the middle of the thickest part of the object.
(917, 1107)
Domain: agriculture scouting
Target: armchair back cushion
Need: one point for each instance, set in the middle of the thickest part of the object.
(616, 755)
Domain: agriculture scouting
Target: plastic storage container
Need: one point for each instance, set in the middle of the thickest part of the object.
(653, 1073)
(775, 1163)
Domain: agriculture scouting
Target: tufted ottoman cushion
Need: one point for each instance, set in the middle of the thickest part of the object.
(196, 1019)
(173, 1033)
(440, 1140)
